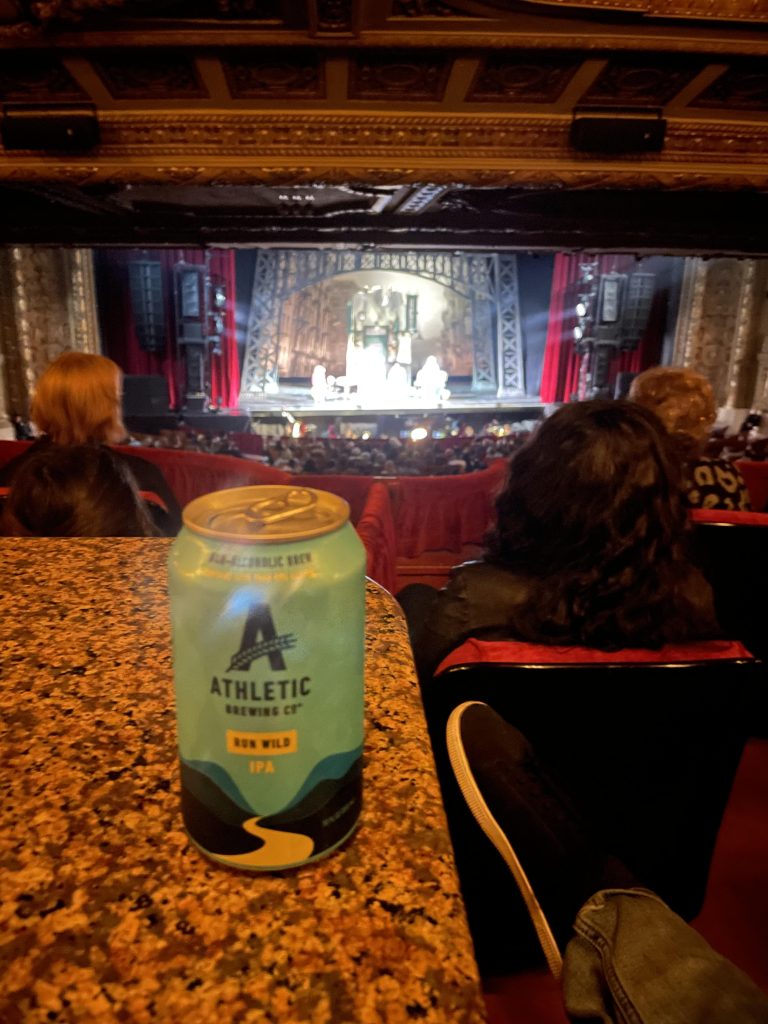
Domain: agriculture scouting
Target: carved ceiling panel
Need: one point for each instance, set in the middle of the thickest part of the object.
(743, 87)
(528, 77)
(418, 97)
(150, 75)
(379, 75)
(37, 77)
(279, 75)
(641, 82)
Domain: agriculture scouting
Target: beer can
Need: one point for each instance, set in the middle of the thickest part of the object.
(268, 612)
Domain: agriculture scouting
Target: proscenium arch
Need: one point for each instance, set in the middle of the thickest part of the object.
(487, 280)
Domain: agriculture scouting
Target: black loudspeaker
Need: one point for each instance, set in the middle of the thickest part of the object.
(65, 127)
(145, 395)
(148, 303)
(615, 130)
(623, 383)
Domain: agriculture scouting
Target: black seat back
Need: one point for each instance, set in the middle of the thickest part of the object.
(648, 753)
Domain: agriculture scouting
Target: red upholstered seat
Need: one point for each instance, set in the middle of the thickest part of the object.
(353, 489)
(756, 478)
(518, 653)
(718, 515)
(192, 474)
(376, 529)
(443, 513)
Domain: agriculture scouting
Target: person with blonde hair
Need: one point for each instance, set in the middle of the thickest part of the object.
(78, 401)
(685, 403)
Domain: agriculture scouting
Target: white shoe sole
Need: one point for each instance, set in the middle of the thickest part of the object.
(495, 833)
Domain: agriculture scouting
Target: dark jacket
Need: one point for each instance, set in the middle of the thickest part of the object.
(491, 602)
(148, 477)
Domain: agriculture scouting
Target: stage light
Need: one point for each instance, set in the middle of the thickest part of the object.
(418, 433)
(581, 309)
(365, 436)
(578, 332)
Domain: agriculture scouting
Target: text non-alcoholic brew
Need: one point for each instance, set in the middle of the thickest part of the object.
(267, 608)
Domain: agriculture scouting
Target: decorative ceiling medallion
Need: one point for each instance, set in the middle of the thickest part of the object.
(150, 74)
(741, 87)
(638, 82)
(523, 77)
(334, 15)
(32, 77)
(278, 74)
(407, 75)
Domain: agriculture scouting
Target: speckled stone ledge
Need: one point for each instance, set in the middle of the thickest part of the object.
(109, 914)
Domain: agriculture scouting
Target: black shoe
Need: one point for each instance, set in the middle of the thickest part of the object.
(527, 819)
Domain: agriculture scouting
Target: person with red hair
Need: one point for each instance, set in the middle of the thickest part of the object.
(78, 401)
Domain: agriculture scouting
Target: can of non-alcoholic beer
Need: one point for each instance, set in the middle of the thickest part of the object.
(268, 613)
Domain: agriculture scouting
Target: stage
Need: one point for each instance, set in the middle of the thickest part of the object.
(297, 402)
(294, 404)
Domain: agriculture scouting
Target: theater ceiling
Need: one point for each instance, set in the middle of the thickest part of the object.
(640, 123)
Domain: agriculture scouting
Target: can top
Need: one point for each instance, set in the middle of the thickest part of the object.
(267, 514)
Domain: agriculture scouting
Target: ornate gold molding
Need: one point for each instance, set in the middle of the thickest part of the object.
(716, 10)
(284, 148)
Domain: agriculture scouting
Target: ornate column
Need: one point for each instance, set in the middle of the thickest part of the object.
(47, 305)
(718, 329)
(759, 398)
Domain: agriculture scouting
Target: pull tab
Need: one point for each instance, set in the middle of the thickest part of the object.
(272, 510)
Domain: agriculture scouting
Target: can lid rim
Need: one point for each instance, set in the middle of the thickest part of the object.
(218, 501)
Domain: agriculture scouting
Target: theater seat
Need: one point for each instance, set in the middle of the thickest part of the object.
(646, 743)
(732, 550)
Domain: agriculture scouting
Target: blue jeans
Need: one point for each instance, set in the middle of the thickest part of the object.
(634, 961)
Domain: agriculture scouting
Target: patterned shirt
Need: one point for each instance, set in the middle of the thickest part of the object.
(716, 483)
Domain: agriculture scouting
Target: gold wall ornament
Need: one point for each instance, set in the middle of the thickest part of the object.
(721, 303)
(48, 305)
(82, 306)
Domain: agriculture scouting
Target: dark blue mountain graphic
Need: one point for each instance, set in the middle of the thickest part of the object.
(327, 813)
(213, 819)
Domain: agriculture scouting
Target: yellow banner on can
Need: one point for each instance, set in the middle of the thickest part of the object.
(254, 744)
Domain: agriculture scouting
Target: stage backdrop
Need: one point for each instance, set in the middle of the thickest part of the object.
(314, 327)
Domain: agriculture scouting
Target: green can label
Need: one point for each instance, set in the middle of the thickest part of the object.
(268, 661)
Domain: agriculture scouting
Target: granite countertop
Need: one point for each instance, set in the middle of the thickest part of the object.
(109, 914)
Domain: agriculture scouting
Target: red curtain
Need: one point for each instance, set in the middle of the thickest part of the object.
(560, 370)
(119, 333)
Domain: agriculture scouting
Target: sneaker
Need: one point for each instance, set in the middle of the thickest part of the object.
(528, 820)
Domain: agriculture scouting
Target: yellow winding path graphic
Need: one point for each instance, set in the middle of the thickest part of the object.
(280, 850)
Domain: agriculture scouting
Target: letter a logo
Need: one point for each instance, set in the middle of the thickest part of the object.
(259, 624)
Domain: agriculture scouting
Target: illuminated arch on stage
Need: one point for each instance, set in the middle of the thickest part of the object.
(487, 280)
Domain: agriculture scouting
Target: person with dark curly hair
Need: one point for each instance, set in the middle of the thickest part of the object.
(588, 547)
(75, 491)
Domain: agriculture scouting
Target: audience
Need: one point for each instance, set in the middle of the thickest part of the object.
(685, 403)
(588, 546)
(75, 491)
(77, 401)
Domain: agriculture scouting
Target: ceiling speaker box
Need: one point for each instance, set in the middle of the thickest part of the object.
(66, 127)
(613, 130)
